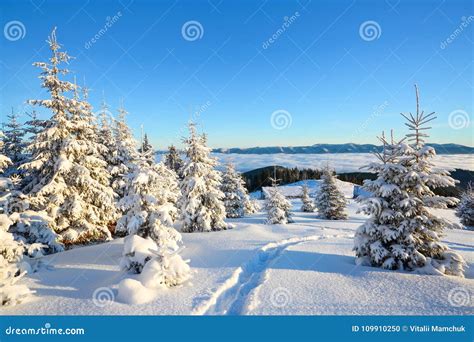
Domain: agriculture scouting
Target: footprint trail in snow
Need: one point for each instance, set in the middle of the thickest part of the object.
(234, 296)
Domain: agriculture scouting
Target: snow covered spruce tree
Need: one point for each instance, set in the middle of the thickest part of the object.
(146, 150)
(277, 206)
(126, 153)
(11, 251)
(402, 233)
(106, 137)
(13, 143)
(173, 160)
(71, 182)
(330, 201)
(465, 210)
(308, 204)
(251, 206)
(152, 245)
(235, 195)
(200, 203)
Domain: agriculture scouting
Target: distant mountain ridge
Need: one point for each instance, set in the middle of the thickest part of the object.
(337, 148)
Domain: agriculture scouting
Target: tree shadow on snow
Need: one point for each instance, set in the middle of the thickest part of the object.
(79, 283)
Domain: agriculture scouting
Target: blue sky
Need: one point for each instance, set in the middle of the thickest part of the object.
(334, 82)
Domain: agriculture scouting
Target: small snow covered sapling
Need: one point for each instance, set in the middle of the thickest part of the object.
(308, 204)
(330, 201)
(200, 204)
(277, 206)
(465, 209)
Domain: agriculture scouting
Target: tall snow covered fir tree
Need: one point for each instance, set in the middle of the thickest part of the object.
(173, 160)
(277, 206)
(71, 182)
(106, 136)
(13, 143)
(126, 153)
(200, 204)
(402, 233)
(465, 209)
(235, 194)
(308, 203)
(330, 201)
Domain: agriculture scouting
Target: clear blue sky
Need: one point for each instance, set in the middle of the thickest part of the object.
(336, 86)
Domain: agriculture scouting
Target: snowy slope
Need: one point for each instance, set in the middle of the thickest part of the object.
(302, 268)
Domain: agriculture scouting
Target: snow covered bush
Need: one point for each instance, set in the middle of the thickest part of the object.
(200, 204)
(465, 210)
(235, 194)
(11, 255)
(71, 181)
(136, 253)
(11, 293)
(330, 201)
(402, 233)
(308, 204)
(158, 268)
(278, 207)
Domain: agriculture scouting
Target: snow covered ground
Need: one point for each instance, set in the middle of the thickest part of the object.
(304, 268)
(341, 162)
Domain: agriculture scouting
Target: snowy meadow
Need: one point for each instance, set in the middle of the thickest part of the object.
(91, 223)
